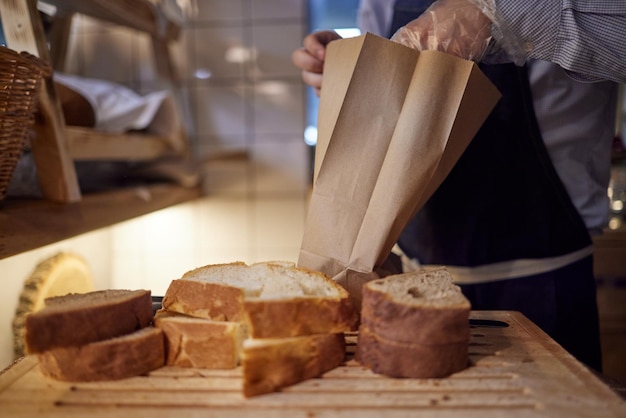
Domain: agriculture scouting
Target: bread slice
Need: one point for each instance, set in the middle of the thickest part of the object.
(78, 319)
(418, 360)
(212, 292)
(198, 342)
(273, 299)
(414, 325)
(275, 363)
(130, 355)
(417, 307)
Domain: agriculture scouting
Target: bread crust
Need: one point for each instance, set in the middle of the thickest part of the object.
(204, 300)
(413, 324)
(422, 361)
(299, 316)
(201, 343)
(270, 367)
(264, 316)
(63, 323)
(117, 358)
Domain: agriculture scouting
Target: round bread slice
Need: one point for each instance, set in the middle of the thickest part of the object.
(117, 358)
(419, 361)
(423, 307)
(58, 275)
(83, 318)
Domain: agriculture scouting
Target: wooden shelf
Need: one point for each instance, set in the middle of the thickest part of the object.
(56, 145)
(27, 224)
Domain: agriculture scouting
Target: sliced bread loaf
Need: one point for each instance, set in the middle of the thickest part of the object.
(199, 342)
(78, 319)
(130, 355)
(414, 325)
(271, 364)
(273, 299)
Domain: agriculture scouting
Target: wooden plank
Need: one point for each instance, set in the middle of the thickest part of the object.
(609, 254)
(60, 31)
(16, 370)
(515, 371)
(88, 144)
(140, 15)
(27, 224)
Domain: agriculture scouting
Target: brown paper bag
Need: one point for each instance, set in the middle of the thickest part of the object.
(392, 123)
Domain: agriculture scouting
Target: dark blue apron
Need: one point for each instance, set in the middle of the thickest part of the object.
(504, 201)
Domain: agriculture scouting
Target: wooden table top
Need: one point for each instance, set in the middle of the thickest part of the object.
(515, 370)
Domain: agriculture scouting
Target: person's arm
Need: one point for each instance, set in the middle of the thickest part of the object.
(583, 37)
(586, 38)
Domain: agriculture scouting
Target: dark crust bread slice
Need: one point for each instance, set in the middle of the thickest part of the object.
(274, 364)
(58, 275)
(408, 324)
(78, 319)
(410, 360)
(130, 355)
(299, 316)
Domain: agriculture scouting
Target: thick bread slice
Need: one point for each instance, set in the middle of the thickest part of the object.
(423, 307)
(213, 292)
(421, 361)
(116, 358)
(78, 319)
(275, 363)
(274, 299)
(198, 342)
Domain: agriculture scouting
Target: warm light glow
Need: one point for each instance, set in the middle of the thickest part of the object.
(238, 54)
(272, 88)
(617, 206)
(615, 223)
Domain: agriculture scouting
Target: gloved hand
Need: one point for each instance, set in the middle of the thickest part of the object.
(457, 27)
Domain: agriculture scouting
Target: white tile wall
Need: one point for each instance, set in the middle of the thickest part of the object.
(255, 207)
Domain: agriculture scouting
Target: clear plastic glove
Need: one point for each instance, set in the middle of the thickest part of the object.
(457, 27)
(311, 56)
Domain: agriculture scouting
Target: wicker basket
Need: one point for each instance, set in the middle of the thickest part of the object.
(20, 80)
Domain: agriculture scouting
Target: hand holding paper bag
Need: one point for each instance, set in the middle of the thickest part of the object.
(457, 27)
(392, 123)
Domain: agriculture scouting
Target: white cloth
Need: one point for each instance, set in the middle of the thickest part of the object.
(117, 108)
(504, 270)
(577, 123)
(375, 16)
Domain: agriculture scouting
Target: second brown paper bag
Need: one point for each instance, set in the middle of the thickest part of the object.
(392, 123)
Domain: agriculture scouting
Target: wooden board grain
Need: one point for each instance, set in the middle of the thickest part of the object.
(515, 371)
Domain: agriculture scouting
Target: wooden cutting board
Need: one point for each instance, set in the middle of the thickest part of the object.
(516, 371)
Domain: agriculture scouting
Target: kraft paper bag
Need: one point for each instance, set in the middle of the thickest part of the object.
(392, 122)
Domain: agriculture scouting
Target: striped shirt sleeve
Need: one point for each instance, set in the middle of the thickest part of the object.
(585, 37)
